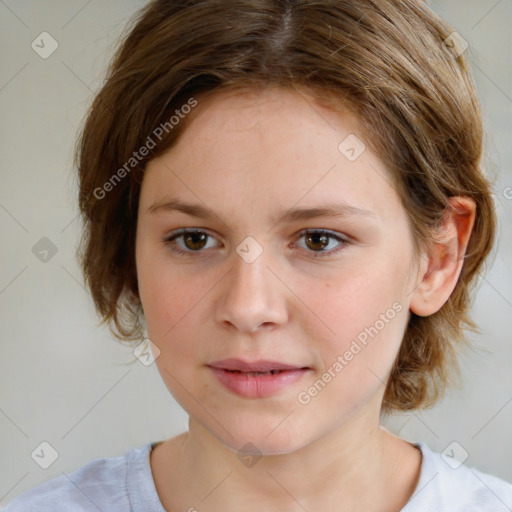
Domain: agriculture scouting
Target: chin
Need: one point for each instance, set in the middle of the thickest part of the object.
(262, 441)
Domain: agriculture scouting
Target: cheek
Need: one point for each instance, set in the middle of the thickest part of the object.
(171, 310)
(176, 310)
(166, 297)
(361, 316)
(368, 318)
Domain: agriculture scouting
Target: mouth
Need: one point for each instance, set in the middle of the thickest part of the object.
(257, 379)
(260, 367)
(270, 372)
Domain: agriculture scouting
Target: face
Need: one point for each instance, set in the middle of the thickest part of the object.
(324, 292)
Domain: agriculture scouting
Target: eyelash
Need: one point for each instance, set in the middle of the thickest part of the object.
(170, 242)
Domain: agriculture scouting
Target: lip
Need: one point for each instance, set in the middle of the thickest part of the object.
(254, 366)
(236, 376)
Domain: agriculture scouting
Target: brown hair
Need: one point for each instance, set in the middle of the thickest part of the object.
(414, 96)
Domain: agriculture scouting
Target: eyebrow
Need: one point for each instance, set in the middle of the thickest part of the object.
(290, 215)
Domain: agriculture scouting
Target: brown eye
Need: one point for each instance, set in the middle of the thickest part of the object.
(317, 242)
(193, 241)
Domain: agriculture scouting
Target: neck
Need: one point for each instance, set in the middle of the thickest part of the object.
(350, 468)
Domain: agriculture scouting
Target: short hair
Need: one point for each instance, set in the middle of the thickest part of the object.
(395, 64)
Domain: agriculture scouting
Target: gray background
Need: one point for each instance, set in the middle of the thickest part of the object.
(66, 381)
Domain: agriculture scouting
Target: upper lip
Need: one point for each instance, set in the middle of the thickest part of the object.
(253, 366)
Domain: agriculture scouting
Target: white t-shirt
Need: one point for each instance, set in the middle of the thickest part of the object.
(125, 484)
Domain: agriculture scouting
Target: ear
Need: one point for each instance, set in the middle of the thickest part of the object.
(441, 265)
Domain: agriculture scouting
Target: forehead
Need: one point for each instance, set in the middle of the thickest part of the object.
(252, 109)
(255, 149)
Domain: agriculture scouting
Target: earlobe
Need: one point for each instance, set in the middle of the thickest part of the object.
(442, 263)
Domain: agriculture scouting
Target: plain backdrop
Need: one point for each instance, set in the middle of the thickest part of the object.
(67, 382)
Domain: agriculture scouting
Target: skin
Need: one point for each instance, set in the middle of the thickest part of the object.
(248, 157)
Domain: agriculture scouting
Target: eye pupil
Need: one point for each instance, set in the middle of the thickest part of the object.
(193, 237)
(194, 241)
(324, 240)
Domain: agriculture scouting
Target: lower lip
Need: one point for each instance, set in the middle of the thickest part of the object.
(257, 386)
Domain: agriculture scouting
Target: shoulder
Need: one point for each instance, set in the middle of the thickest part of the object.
(101, 484)
(447, 485)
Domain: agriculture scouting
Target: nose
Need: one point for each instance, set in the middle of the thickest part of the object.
(252, 296)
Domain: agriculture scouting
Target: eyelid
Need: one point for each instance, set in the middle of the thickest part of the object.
(344, 240)
(170, 237)
(330, 232)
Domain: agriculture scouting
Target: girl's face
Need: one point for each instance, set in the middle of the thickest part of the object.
(257, 282)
